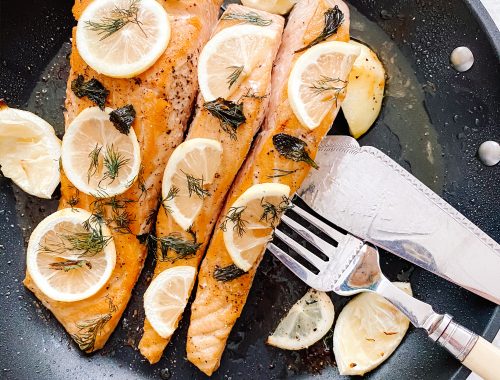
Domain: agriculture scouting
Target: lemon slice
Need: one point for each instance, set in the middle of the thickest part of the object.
(29, 151)
(280, 7)
(248, 224)
(308, 321)
(229, 57)
(122, 38)
(367, 332)
(317, 78)
(190, 170)
(365, 91)
(97, 158)
(166, 298)
(68, 259)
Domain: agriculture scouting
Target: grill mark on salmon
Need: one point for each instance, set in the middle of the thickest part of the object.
(206, 125)
(218, 304)
(163, 97)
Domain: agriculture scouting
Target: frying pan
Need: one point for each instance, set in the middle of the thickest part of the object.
(430, 111)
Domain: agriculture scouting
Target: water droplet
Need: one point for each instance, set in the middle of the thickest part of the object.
(489, 153)
(462, 58)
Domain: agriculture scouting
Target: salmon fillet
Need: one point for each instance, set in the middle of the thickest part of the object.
(163, 97)
(205, 125)
(218, 304)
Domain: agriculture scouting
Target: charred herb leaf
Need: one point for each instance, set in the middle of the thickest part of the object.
(118, 18)
(122, 118)
(250, 18)
(293, 148)
(234, 215)
(92, 89)
(334, 17)
(229, 273)
(229, 113)
(176, 243)
(70, 265)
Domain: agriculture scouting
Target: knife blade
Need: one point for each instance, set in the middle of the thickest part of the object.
(365, 192)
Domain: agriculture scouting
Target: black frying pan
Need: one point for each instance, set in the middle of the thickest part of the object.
(451, 111)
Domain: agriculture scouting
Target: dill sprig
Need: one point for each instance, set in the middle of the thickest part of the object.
(120, 221)
(68, 265)
(235, 74)
(230, 114)
(229, 273)
(250, 18)
(281, 173)
(89, 329)
(94, 161)
(74, 199)
(271, 213)
(329, 85)
(196, 186)
(172, 193)
(293, 148)
(234, 215)
(334, 18)
(113, 161)
(253, 95)
(118, 18)
(87, 244)
(176, 243)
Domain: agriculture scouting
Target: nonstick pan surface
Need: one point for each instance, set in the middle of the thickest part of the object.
(432, 123)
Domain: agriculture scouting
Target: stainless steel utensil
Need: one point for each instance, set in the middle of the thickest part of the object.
(362, 190)
(352, 266)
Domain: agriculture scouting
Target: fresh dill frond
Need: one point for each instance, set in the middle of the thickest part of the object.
(88, 331)
(114, 202)
(118, 18)
(172, 193)
(278, 173)
(176, 243)
(249, 17)
(271, 213)
(87, 244)
(94, 161)
(230, 114)
(234, 215)
(113, 161)
(120, 221)
(229, 273)
(253, 95)
(334, 18)
(328, 86)
(68, 265)
(196, 186)
(235, 74)
(293, 148)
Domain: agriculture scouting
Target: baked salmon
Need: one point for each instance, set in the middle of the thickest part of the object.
(253, 94)
(219, 303)
(163, 97)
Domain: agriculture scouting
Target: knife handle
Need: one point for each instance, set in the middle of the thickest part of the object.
(476, 353)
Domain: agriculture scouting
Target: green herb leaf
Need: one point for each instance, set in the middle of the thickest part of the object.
(195, 186)
(281, 173)
(229, 113)
(113, 161)
(176, 243)
(122, 118)
(229, 273)
(172, 193)
(235, 74)
(94, 161)
(234, 215)
(334, 18)
(118, 18)
(293, 148)
(93, 89)
(272, 213)
(250, 18)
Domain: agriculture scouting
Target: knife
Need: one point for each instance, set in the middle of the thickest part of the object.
(365, 192)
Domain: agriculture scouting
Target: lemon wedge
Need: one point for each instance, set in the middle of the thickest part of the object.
(307, 322)
(249, 222)
(280, 7)
(122, 38)
(229, 57)
(29, 151)
(166, 298)
(367, 332)
(317, 78)
(70, 256)
(365, 91)
(189, 171)
(97, 158)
